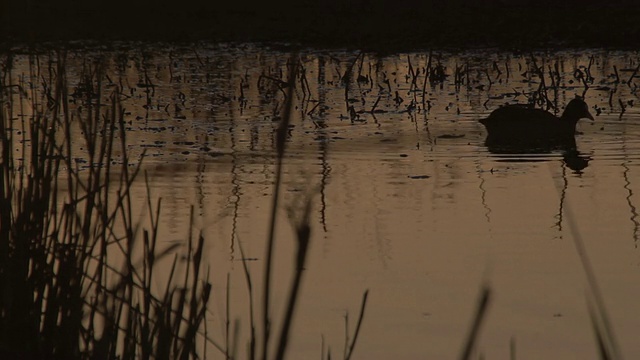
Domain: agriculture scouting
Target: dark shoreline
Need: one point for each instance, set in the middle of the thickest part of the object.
(401, 25)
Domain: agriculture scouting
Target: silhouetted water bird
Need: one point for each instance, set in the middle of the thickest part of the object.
(521, 126)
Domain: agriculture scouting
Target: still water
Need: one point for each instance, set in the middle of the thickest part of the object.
(407, 200)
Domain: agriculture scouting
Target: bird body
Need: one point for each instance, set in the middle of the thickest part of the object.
(520, 125)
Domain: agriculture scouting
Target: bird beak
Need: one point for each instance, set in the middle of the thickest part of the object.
(589, 116)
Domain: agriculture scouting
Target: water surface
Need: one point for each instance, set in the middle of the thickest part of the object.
(408, 202)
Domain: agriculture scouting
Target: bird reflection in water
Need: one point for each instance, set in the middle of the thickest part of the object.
(575, 160)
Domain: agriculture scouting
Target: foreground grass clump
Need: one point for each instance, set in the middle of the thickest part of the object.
(78, 271)
(76, 268)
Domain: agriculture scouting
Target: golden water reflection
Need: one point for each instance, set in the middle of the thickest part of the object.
(408, 202)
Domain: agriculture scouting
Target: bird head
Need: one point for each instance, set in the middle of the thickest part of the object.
(577, 109)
